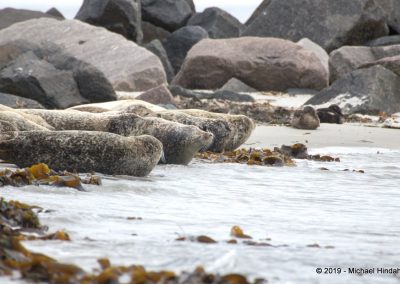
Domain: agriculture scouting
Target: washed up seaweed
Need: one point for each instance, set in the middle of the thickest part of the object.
(17, 218)
(41, 174)
(279, 157)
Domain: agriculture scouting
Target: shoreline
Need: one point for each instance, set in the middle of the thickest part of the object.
(327, 135)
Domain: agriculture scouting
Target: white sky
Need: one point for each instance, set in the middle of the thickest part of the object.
(69, 7)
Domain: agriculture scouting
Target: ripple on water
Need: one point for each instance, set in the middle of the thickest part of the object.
(356, 213)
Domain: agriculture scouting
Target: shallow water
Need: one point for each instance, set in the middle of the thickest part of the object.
(294, 207)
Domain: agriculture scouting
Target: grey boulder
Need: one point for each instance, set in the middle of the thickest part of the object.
(119, 16)
(126, 65)
(370, 90)
(49, 75)
(331, 24)
(235, 85)
(180, 42)
(348, 58)
(158, 49)
(18, 102)
(262, 63)
(168, 14)
(217, 22)
(10, 16)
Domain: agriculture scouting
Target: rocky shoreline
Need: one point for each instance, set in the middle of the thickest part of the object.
(128, 85)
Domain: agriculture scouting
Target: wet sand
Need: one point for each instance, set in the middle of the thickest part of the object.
(328, 135)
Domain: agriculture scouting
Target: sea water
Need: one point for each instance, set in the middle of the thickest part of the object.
(352, 216)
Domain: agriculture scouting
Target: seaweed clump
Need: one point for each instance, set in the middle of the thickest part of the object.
(41, 174)
(17, 218)
(252, 156)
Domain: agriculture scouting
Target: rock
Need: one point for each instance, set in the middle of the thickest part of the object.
(330, 24)
(10, 16)
(192, 5)
(180, 42)
(119, 16)
(332, 114)
(229, 96)
(369, 91)
(318, 51)
(157, 96)
(102, 152)
(152, 32)
(18, 102)
(127, 66)
(348, 58)
(180, 91)
(158, 49)
(390, 63)
(235, 85)
(211, 63)
(383, 41)
(392, 13)
(180, 142)
(55, 13)
(47, 74)
(168, 14)
(217, 22)
(305, 118)
(20, 122)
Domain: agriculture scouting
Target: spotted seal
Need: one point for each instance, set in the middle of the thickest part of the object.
(180, 142)
(83, 151)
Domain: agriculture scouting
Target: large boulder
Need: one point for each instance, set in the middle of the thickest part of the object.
(348, 58)
(119, 16)
(168, 14)
(262, 63)
(330, 24)
(152, 32)
(47, 74)
(385, 40)
(180, 42)
(390, 63)
(391, 9)
(367, 90)
(18, 102)
(126, 65)
(54, 12)
(217, 22)
(318, 50)
(10, 16)
(158, 49)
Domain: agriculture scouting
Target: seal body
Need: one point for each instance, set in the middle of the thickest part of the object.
(240, 126)
(20, 122)
(305, 118)
(180, 142)
(83, 151)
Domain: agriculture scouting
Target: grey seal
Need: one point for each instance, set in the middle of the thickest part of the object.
(83, 151)
(180, 142)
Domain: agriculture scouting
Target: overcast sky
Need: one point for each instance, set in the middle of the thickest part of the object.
(69, 7)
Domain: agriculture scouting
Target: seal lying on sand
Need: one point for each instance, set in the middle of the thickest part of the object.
(122, 106)
(33, 118)
(84, 151)
(241, 126)
(305, 118)
(180, 142)
(20, 122)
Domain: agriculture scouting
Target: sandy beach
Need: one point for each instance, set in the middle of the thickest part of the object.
(327, 135)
